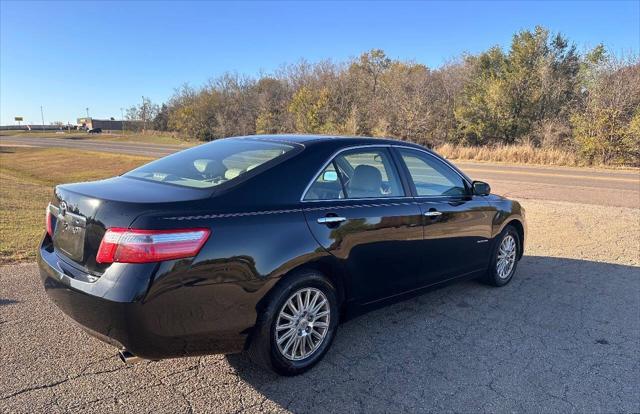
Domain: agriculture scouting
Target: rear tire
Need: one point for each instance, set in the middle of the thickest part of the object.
(504, 258)
(301, 312)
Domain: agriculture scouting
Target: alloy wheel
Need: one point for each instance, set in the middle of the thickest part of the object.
(506, 256)
(302, 324)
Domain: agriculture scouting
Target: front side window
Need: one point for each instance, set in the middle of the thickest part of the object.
(361, 173)
(212, 164)
(431, 176)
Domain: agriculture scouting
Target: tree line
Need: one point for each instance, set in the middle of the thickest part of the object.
(540, 91)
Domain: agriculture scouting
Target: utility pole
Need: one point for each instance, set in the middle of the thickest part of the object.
(42, 117)
(87, 112)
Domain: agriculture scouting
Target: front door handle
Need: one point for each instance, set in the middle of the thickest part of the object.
(433, 213)
(331, 220)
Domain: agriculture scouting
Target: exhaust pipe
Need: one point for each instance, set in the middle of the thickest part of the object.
(128, 358)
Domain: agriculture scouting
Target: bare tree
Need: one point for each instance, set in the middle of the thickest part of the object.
(145, 112)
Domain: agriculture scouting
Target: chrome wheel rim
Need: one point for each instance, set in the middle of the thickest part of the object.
(302, 325)
(506, 257)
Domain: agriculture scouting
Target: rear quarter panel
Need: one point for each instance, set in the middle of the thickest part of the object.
(220, 289)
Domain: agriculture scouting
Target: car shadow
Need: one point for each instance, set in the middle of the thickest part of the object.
(554, 336)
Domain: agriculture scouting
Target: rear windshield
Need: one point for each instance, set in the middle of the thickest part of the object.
(212, 164)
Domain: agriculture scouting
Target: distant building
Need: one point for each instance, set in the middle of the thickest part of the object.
(105, 124)
(110, 124)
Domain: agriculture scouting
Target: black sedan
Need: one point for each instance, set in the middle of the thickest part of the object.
(264, 244)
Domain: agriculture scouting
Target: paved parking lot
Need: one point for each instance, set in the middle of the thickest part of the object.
(562, 337)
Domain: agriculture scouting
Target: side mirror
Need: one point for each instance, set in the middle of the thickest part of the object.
(330, 176)
(481, 188)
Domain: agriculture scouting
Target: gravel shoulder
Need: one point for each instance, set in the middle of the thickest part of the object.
(562, 337)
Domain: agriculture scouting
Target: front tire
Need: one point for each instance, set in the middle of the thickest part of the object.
(504, 259)
(298, 325)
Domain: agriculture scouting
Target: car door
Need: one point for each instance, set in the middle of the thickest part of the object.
(359, 210)
(457, 224)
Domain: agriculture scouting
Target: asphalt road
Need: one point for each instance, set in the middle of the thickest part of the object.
(561, 337)
(150, 150)
(583, 185)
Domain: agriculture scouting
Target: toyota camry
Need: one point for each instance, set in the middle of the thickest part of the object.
(264, 244)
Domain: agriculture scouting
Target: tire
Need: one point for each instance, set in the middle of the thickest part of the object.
(268, 345)
(507, 247)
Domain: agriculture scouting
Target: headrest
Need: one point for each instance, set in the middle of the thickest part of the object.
(366, 182)
(210, 168)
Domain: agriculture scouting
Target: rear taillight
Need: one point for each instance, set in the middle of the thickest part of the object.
(144, 246)
(49, 222)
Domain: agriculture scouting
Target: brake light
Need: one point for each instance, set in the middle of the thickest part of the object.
(144, 246)
(49, 222)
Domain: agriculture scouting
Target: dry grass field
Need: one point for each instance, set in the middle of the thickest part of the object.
(516, 154)
(27, 177)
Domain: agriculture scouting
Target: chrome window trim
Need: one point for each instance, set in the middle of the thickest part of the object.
(326, 164)
(359, 199)
(341, 150)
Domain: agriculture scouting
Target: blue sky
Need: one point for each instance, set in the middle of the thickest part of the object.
(106, 55)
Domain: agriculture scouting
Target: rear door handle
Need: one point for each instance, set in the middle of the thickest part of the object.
(331, 220)
(433, 213)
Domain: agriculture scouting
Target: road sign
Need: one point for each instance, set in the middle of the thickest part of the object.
(18, 118)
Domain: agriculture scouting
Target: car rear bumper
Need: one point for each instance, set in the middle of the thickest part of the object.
(117, 309)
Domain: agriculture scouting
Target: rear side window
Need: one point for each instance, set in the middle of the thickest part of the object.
(361, 173)
(212, 164)
(431, 176)
(327, 186)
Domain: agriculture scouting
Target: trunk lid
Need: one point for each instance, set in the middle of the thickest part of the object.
(82, 212)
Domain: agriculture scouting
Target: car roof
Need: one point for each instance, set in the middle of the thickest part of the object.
(338, 140)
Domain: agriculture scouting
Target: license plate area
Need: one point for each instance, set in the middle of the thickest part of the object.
(69, 233)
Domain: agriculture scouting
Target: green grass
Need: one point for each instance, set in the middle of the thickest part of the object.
(27, 178)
